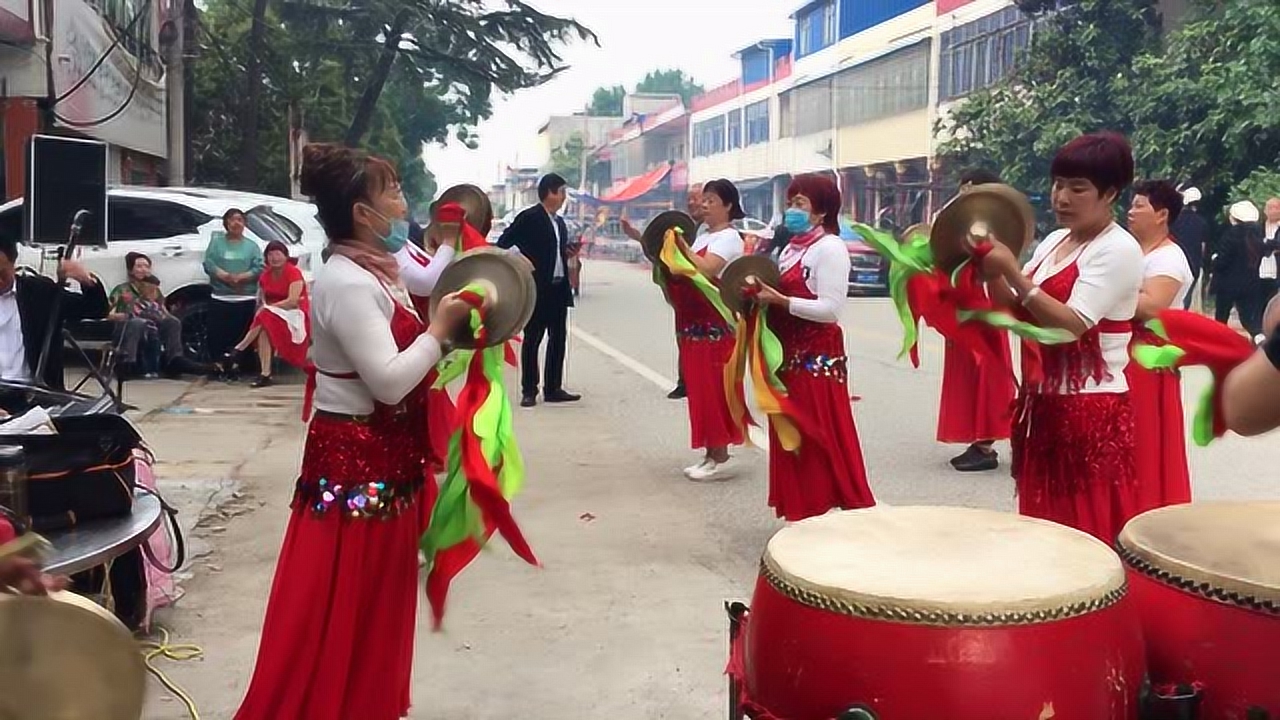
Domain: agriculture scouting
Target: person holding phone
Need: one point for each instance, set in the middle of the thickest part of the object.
(233, 265)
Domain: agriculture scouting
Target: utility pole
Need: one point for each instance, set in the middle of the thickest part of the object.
(175, 90)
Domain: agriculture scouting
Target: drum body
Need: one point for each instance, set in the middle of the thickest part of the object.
(1205, 582)
(817, 642)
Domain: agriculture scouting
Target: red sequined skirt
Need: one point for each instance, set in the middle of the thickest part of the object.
(1073, 461)
(337, 642)
(977, 398)
(703, 355)
(1160, 437)
(818, 476)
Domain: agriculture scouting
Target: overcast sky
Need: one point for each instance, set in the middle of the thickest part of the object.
(697, 36)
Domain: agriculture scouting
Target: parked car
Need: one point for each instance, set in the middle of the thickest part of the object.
(753, 232)
(173, 227)
(868, 270)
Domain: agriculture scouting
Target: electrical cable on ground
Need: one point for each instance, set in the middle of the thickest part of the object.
(152, 649)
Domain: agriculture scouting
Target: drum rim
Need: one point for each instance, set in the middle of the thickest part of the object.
(845, 602)
(1189, 577)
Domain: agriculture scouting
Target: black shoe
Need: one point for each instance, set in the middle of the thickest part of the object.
(678, 393)
(976, 459)
(262, 382)
(560, 396)
(528, 401)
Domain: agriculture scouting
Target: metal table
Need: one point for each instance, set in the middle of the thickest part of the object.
(94, 543)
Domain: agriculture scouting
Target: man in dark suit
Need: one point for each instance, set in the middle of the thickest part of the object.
(1191, 232)
(543, 238)
(25, 304)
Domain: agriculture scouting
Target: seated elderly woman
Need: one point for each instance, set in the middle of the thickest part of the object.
(138, 311)
(281, 325)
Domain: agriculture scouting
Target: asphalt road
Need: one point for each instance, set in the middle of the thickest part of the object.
(624, 619)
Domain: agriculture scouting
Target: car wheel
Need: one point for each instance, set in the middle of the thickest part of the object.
(195, 331)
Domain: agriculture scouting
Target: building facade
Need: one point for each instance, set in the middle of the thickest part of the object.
(101, 89)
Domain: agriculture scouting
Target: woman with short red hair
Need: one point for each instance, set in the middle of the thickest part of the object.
(1073, 434)
(826, 471)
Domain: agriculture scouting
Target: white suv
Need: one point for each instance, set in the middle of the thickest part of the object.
(173, 227)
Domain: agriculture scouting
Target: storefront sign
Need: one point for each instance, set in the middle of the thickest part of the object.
(15, 21)
(81, 36)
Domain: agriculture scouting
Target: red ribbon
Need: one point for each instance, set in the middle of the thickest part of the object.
(1207, 342)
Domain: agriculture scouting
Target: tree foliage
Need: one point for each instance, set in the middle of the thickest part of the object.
(607, 101)
(320, 58)
(566, 160)
(670, 81)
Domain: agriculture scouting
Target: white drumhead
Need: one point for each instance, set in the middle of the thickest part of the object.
(1233, 547)
(64, 658)
(944, 565)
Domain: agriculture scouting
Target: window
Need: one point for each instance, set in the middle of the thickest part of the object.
(708, 137)
(757, 117)
(894, 84)
(735, 129)
(142, 219)
(811, 108)
(816, 28)
(263, 222)
(981, 53)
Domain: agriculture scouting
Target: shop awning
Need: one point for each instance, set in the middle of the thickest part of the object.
(637, 186)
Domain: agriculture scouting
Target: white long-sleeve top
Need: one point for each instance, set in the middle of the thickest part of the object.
(351, 314)
(419, 271)
(826, 273)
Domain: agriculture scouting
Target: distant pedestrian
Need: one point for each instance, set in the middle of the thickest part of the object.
(1192, 233)
(1236, 283)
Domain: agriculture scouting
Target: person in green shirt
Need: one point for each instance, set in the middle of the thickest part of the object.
(233, 264)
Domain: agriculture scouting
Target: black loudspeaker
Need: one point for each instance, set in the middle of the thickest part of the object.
(64, 176)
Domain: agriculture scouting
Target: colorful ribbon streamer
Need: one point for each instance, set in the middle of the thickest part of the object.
(1193, 339)
(758, 351)
(673, 256)
(485, 469)
(907, 259)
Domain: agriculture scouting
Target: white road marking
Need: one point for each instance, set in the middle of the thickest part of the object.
(758, 436)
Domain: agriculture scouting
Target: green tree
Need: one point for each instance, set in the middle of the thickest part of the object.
(566, 160)
(1072, 80)
(1205, 109)
(607, 101)
(670, 81)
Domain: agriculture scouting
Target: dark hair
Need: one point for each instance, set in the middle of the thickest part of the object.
(728, 194)
(1103, 158)
(823, 195)
(151, 280)
(978, 176)
(9, 248)
(336, 177)
(230, 213)
(131, 259)
(550, 183)
(275, 245)
(1162, 195)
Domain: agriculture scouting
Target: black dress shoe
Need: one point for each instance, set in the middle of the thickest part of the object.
(976, 459)
(560, 396)
(678, 393)
(262, 382)
(528, 401)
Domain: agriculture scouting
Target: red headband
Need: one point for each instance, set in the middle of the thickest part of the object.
(451, 213)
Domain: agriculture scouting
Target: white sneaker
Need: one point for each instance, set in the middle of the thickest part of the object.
(689, 471)
(711, 471)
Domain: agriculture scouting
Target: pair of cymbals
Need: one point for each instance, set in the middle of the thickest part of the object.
(509, 290)
(64, 658)
(993, 211)
(738, 275)
(656, 231)
(476, 203)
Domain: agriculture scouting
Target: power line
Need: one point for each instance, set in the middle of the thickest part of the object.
(110, 49)
(133, 91)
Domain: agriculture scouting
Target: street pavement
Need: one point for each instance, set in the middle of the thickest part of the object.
(625, 617)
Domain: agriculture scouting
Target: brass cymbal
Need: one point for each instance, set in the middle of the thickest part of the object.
(994, 210)
(64, 658)
(733, 281)
(654, 233)
(475, 201)
(917, 229)
(509, 291)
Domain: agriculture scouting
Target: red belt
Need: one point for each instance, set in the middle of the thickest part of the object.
(312, 371)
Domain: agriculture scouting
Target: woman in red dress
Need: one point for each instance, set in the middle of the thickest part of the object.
(1159, 422)
(337, 642)
(1073, 433)
(705, 337)
(826, 471)
(977, 397)
(281, 325)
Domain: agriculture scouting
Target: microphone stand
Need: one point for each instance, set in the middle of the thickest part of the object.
(55, 310)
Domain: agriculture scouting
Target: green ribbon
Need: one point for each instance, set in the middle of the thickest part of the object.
(1025, 330)
(1169, 357)
(681, 265)
(909, 257)
(771, 349)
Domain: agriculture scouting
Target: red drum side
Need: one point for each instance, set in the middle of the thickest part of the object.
(806, 663)
(1231, 651)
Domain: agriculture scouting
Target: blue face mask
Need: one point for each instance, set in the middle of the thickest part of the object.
(797, 221)
(399, 233)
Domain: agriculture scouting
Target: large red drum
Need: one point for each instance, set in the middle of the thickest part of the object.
(1206, 584)
(931, 612)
